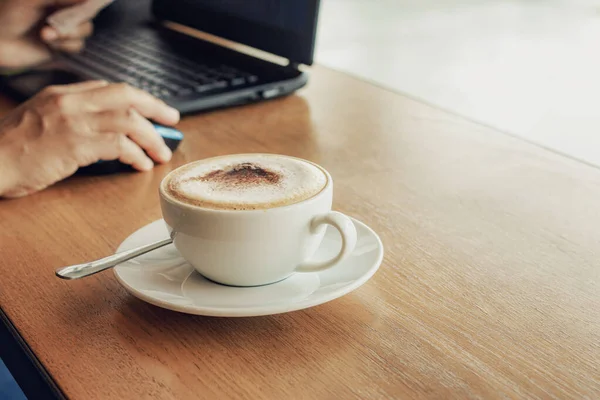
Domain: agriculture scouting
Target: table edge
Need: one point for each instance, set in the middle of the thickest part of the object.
(27, 370)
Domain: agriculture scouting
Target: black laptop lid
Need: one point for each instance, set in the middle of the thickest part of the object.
(286, 28)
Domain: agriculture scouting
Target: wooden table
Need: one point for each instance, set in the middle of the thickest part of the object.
(490, 286)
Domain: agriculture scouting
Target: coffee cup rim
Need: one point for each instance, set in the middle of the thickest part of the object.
(190, 207)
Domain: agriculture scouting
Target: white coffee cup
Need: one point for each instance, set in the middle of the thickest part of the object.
(256, 247)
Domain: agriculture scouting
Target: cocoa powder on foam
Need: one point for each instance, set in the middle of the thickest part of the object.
(239, 177)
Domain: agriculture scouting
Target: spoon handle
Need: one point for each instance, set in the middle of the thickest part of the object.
(93, 267)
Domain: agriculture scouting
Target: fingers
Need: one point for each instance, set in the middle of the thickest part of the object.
(72, 41)
(131, 154)
(98, 112)
(113, 146)
(73, 87)
(22, 52)
(68, 46)
(61, 3)
(59, 39)
(123, 97)
(139, 129)
(49, 34)
(83, 31)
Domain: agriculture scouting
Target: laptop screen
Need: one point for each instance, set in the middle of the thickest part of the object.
(283, 27)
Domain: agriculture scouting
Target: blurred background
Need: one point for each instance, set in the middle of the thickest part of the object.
(530, 68)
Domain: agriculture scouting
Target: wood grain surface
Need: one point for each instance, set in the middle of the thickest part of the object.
(490, 286)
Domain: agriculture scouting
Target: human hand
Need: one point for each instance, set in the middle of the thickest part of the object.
(26, 40)
(49, 137)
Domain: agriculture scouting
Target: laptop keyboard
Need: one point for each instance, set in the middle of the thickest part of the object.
(144, 60)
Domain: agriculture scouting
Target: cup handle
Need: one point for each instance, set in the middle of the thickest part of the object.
(348, 232)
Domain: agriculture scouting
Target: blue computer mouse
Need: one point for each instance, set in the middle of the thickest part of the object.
(171, 136)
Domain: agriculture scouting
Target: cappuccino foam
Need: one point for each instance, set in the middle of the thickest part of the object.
(246, 182)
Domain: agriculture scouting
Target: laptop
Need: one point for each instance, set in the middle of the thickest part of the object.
(135, 43)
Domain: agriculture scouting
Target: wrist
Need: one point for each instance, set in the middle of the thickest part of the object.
(8, 169)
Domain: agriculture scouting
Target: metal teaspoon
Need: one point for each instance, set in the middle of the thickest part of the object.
(93, 267)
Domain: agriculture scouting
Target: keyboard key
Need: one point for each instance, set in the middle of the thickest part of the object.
(204, 87)
(211, 86)
(142, 59)
(185, 92)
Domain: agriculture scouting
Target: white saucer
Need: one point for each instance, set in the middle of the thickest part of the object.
(165, 279)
